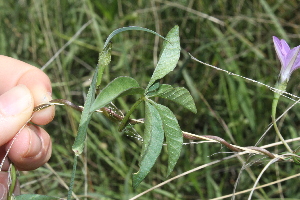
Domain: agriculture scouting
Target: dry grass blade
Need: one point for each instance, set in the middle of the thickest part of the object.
(260, 175)
(208, 165)
(258, 187)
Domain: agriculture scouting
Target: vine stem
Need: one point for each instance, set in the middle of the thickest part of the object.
(249, 149)
(126, 119)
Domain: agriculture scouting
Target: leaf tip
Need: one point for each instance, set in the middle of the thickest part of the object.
(136, 180)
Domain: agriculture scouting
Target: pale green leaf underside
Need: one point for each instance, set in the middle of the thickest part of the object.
(105, 56)
(173, 135)
(120, 86)
(169, 56)
(103, 61)
(153, 141)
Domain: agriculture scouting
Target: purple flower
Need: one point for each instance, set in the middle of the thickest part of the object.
(289, 58)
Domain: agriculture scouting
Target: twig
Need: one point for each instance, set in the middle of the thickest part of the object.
(117, 117)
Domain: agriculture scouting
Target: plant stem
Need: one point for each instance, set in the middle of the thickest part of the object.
(127, 116)
(281, 86)
(72, 178)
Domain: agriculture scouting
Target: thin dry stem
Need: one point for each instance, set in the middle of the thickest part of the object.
(258, 187)
(208, 165)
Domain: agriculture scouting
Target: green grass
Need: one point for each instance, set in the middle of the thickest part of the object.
(241, 42)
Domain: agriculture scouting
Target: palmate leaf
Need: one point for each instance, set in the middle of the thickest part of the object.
(169, 56)
(153, 141)
(118, 87)
(179, 95)
(173, 134)
(85, 117)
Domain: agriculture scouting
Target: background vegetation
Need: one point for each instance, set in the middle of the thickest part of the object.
(234, 35)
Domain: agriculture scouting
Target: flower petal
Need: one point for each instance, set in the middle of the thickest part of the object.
(297, 61)
(285, 47)
(291, 58)
(290, 64)
(281, 48)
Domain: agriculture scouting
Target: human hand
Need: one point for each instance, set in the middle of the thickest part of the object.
(22, 87)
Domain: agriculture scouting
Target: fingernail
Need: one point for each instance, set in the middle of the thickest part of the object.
(3, 191)
(15, 100)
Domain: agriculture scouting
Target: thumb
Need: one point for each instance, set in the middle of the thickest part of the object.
(16, 107)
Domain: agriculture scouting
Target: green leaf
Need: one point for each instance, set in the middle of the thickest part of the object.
(173, 134)
(179, 95)
(119, 30)
(162, 88)
(153, 141)
(103, 61)
(154, 87)
(34, 197)
(118, 87)
(85, 117)
(132, 91)
(169, 56)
